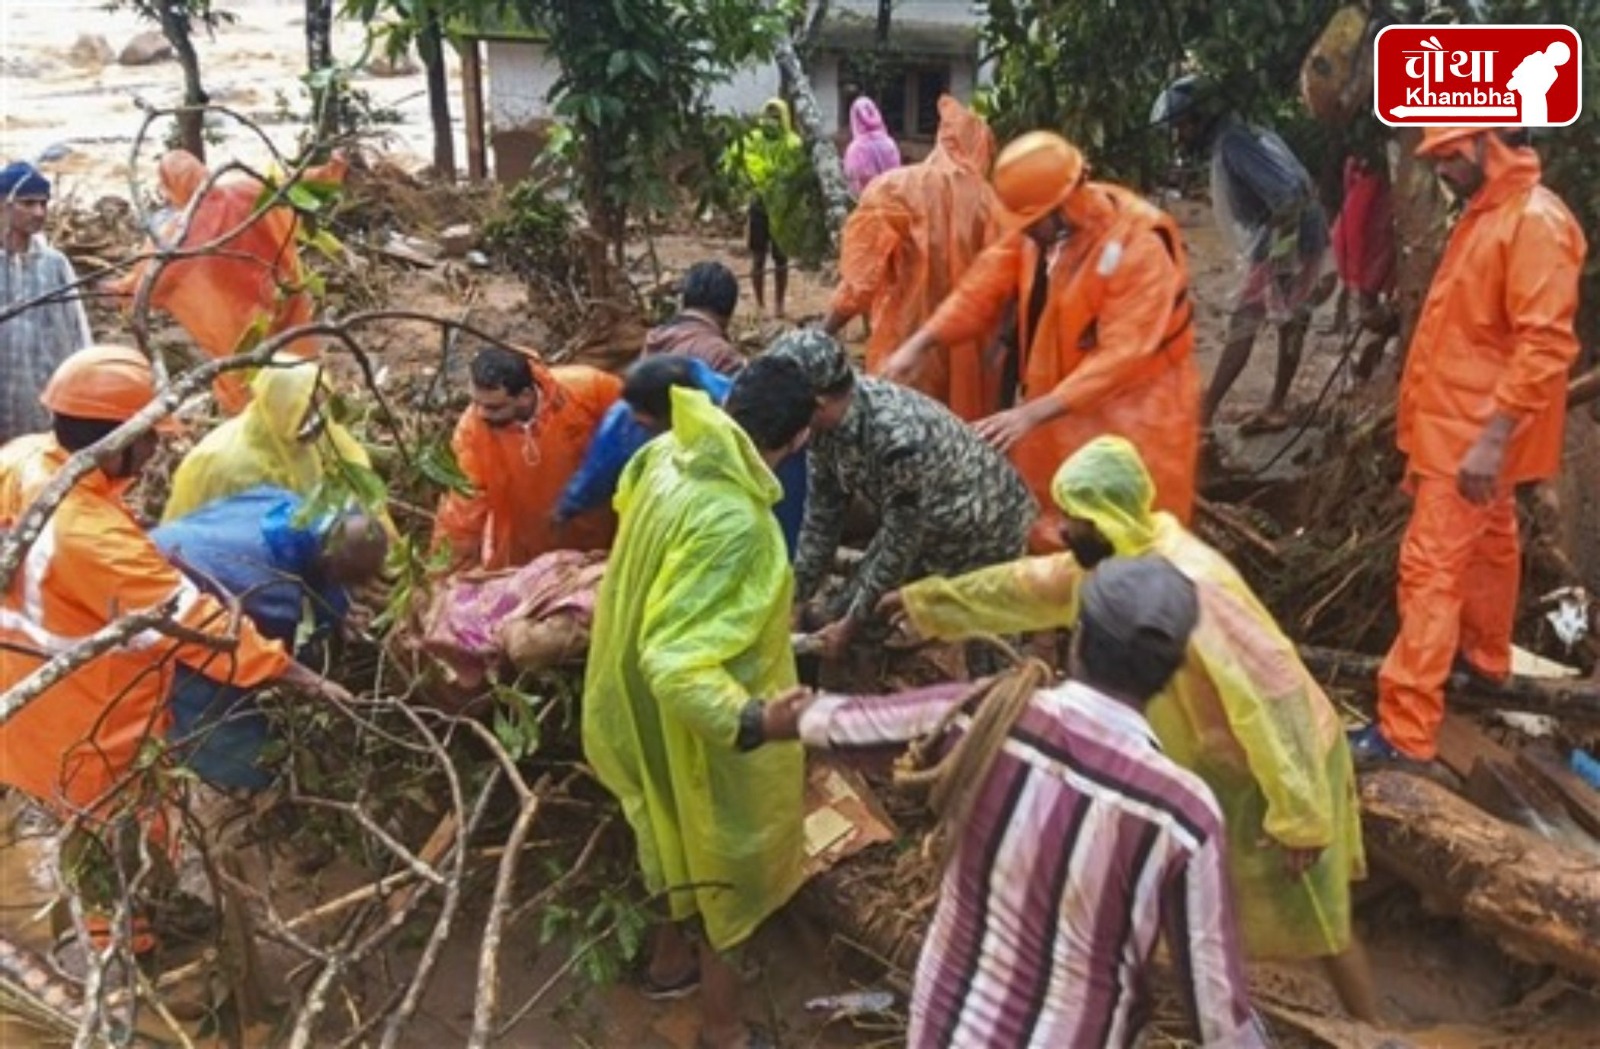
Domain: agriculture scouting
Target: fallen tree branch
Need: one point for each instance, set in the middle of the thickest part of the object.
(483, 1011)
(1556, 697)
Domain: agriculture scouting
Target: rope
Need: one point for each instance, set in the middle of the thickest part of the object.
(1316, 406)
(954, 781)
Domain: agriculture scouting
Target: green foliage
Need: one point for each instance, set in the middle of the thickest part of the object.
(516, 721)
(532, 235)
(1569, 153)
(608, 931)
(1091, 70)
(205, 12)
(635, 75)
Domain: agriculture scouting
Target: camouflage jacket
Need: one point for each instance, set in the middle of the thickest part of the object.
(946, 502)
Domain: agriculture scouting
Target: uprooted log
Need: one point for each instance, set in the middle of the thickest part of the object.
(1561, 698)
(1537, 900)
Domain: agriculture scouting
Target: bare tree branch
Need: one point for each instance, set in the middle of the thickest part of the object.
(104, 640)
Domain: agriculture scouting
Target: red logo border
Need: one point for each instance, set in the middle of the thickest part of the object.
(1577, 57)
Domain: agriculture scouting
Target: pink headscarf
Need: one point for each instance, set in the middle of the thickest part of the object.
(872, 151)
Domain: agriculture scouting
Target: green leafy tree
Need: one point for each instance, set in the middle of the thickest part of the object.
(401, 25)
(635, 76)
(178, 19)
(1091, 69)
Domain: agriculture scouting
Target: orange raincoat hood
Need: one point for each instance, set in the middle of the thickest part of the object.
(218, 298)
(915, 232)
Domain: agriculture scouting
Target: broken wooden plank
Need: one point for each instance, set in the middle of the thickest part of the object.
(1567, 698)
(1538, 900)
(1581, 800)
(1463, 745)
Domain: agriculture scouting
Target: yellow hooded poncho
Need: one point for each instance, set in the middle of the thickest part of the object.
(1243, 713)
(772, 161)
(692, 622)
(261, 445)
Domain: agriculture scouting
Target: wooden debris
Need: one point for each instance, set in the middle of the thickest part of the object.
(1229, 519)
(1563, 698)
(1581, 800)
(1539, 901)
(1501, 788)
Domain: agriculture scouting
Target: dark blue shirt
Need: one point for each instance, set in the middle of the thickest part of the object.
(619, 436)
(250, 547)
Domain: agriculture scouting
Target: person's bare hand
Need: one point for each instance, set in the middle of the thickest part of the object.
(807, 618)
(902, 365)
(300, 677)
(834, 639)
(1298, 862)
(780, 718)
(333, 691)
(1478, 479)
(1003, 430)
(892, 606)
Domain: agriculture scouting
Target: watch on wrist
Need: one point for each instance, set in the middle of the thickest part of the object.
(752, 726)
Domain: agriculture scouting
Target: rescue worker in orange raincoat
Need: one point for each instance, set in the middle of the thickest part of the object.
(1482, 409)
(1100, 279)
(519, 444)
(219, 296)
(73, 745)
(906, 245)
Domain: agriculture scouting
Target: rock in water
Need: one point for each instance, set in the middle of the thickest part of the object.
(384, 66)
(145, 49)
(90, 50)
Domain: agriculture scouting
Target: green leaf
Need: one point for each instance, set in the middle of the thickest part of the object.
(438, 464)
(303, 198)
(365, 484)
(325, 242)
(251, 337)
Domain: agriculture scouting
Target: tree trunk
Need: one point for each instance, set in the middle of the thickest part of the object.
(1538, 901)
(1421, 224)
(1569, 698)
(885, 9)
(191, 122)
(808, 119)
(431, 45)
(325, 100)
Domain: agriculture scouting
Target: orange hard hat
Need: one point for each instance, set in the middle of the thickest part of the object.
(1035, 174)
(1437, 141)
(108, 383)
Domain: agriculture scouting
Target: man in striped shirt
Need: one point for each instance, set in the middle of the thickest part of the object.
(1082, 843)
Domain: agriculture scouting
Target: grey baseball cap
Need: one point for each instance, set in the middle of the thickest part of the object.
(1144, 603)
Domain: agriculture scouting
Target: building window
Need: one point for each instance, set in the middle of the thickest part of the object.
(907, 94)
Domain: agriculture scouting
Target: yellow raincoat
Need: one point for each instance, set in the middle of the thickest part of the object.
(691, 623)
(1243, 713)
(260, 445)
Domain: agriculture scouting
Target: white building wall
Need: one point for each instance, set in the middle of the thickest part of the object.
(948, 12)
(747, 89)
(520, 76)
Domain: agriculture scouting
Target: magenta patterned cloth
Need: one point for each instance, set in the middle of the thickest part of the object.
(463, 623)
(872, 150)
